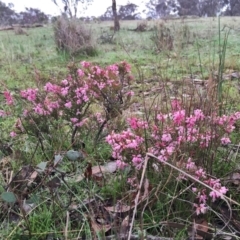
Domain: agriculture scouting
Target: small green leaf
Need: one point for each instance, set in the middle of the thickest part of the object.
(41, 166)
(57, 159)
(33, 199)
(8, 197)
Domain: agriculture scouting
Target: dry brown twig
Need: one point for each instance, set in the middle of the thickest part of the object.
(137, 197)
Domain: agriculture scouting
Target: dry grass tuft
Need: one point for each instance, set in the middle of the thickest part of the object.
(72, 36)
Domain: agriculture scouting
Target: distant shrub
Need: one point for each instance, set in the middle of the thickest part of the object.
(20, 31)
(73, 37)
(162, 38)
(142, 26)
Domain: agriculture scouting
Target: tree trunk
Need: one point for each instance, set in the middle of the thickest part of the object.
(116, 21)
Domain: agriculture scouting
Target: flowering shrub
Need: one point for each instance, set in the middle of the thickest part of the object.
(180, 138)
(64, 106)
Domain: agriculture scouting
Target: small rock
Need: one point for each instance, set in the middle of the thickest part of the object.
(74, 155)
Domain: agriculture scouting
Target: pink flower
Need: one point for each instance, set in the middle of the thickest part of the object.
(52, 105)
(65, 82)
(199, 114)
(136, 123)
(225, 140)
(99, 117)
(191, 121)
(218, 193)
(113, 68)
(170, 150)
(97, 70)
(137, 160)
(121, 164)
(132, 181)
(166, 137)
(80, 72)
(49, 87)
(126, 66)
(175, 104)
(2, 113)
(8, 97)
(130, 93)
(194, 189)
(237, 115)
(133, 123)
(68, 104)
(30, 94)
(161, 117)
(200, 208)
(214, 195)
(83, 122)
(223, 190)
(73, 120)
(85, 64)
(202, 197)
(190, 165)
(40, 110)
(179, 117)
(200, 173)
(13, 134)
(64, 91)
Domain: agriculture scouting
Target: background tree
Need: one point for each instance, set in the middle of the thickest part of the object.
(151, 8)
(32, 16)
(232, 7)
(128, 12)
(188, 7)
(161, 8)
(7, 14)
(115, 15)
(108, 15)
(71, 6)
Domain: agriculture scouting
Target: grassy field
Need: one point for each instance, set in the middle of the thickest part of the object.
(191, 36)
(60, 180)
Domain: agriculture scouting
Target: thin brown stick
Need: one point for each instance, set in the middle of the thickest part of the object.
(137, 197)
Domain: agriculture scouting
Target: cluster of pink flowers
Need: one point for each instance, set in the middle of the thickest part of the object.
(9, 98)
(173, 134)
(125, 144)
(69, 97)
(136, 123)
(203, 194)
(30, 94)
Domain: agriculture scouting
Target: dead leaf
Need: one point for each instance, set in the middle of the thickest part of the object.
(32, 178)
(79, 178)
(236, 178)
(99, 227)
(27, 207)
(97, 171)
(125, 225)
(146, 189)
(198, 226)
(54, 183)
(119, 208)
(233, 178)
(111, 167)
